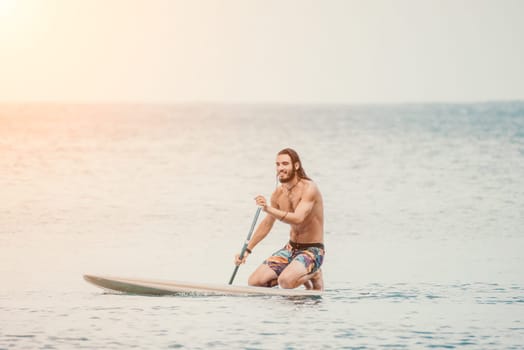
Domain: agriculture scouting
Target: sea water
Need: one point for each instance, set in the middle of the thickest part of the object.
(424, 218)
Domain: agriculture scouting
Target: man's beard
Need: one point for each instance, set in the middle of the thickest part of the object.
(290, 177)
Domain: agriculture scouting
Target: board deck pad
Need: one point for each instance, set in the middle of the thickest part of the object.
(158, 287)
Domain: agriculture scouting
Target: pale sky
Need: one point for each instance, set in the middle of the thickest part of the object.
(258, 51)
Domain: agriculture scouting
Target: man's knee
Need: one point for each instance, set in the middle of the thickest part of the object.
(284, 281)
(258, 280)
(253, 280)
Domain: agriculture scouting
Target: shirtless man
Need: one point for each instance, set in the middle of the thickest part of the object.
(297, 202)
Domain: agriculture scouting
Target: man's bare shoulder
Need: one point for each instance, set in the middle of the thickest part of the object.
(277, 193)
(310, 187)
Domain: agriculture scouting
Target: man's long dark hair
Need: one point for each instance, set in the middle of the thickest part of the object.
(295, 159)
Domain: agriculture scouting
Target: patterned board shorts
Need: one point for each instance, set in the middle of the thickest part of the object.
(310, 255)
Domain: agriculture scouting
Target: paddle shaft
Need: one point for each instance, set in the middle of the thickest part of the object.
(244, 247)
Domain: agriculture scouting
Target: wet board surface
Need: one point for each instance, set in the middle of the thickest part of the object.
(159, 288)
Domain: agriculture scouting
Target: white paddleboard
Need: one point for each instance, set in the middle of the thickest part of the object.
(157, 287)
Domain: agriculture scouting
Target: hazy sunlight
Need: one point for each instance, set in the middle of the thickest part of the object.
(6, 7)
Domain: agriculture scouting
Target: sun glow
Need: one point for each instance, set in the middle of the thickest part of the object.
(7, 8)
(18, 22)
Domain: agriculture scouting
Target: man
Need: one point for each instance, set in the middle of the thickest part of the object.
(297, 202)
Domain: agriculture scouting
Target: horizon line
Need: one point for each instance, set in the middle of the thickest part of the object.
(255, 103)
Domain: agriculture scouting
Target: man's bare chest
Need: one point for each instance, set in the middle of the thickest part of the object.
(289, 202)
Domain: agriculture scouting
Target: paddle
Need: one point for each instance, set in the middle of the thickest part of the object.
(243, 251)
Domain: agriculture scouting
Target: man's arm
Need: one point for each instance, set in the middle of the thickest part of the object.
(261, 231)
(302, 210)
(265, 225)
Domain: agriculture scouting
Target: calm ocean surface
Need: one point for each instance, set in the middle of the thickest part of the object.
(424, 208)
